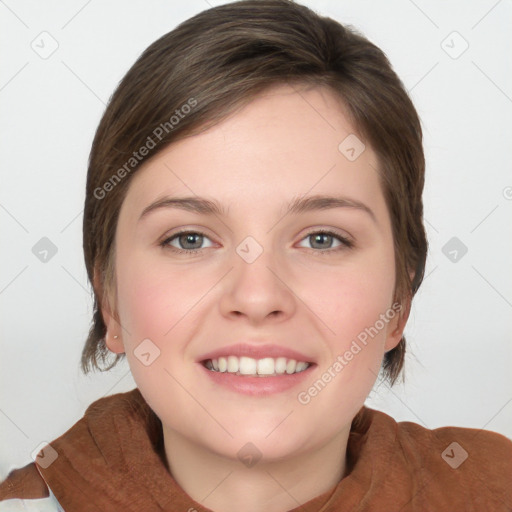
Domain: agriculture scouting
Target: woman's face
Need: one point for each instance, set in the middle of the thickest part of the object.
(254, 285)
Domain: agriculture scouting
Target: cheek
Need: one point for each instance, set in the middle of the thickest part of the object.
(351, 301)
(354, 306)
(144, 303)
(157, 300)
(352, 296)
(151, 303)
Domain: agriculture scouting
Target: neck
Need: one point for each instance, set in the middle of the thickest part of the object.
(225, 485)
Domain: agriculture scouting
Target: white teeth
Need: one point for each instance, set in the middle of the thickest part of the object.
(301, 366)
(222, 364)
(280, 365)
(291, 365)
(232, 364)
(248, 366)
(267, 366)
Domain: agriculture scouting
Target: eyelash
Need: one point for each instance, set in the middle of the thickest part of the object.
(345, 242)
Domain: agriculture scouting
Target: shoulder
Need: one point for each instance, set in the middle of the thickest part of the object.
(25, 490)
(456, 445)
(463, 466)
(25, 482)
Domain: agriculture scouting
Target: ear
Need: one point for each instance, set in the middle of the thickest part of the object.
(113, 336)
(397, 324)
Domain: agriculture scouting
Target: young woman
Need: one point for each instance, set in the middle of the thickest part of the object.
(253, 231)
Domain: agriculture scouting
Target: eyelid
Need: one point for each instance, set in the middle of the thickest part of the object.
(171, 233)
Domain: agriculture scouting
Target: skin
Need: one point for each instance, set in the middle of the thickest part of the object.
(312, 297)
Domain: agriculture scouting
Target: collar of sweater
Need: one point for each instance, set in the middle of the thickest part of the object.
(113, 459)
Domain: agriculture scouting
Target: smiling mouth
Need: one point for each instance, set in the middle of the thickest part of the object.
(250, 367)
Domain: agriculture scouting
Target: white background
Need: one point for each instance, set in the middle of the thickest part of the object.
(459, 335)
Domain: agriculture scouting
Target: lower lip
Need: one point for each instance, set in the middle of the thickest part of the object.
(258, 386)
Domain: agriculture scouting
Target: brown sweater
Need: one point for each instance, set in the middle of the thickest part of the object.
(112, 460)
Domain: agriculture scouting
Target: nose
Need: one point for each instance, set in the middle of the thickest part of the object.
(258, 292)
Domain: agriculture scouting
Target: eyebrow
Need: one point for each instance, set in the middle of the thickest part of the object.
(298, 205)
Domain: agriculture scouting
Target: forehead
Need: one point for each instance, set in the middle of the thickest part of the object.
(286, 142)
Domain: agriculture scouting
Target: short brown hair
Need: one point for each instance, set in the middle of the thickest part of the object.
(217, 62)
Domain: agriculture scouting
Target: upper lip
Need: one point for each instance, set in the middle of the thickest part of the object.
(256, 352)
